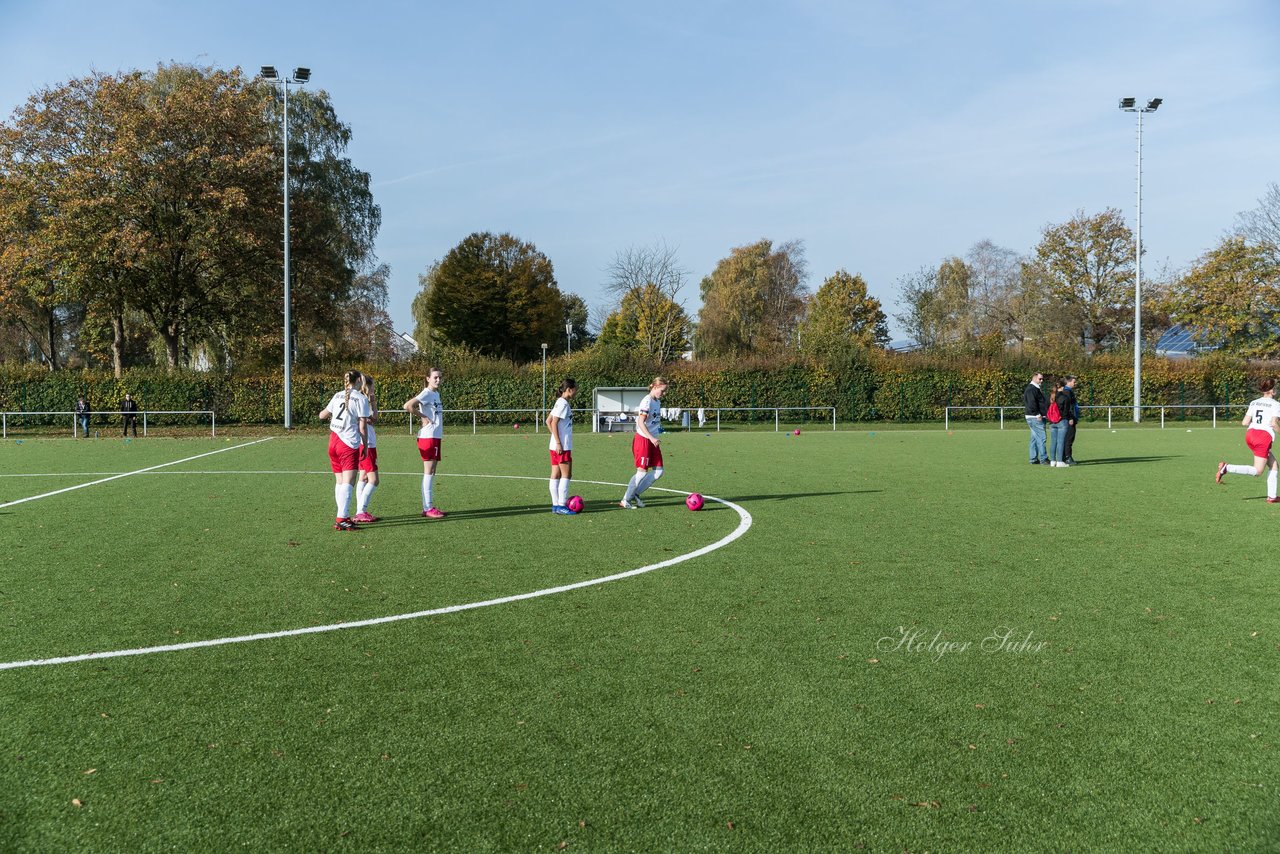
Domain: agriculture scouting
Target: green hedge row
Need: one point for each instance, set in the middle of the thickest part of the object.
(865, 388)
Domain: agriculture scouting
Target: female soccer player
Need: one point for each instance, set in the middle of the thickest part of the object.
(350, 412)
(1261, 423)
(560, 426)
(369, 462)
(644, 447)
(426, 405)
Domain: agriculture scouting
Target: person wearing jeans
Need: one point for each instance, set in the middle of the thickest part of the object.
(1036, 409)
(1061, 409)
(82, 416)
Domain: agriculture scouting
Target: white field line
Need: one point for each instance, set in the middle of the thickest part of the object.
(130, 473)
(744, 524)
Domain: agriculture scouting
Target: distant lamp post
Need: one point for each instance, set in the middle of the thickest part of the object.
(1129, 105)
(544, 377)
(568, 336)
(300, 76)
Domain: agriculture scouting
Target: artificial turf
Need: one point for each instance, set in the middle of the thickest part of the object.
(754, 698)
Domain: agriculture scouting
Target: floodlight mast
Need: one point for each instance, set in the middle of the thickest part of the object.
(1129, 105)
(300, 76)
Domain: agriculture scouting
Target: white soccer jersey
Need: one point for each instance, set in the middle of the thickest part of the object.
(429, 403)
(564, 426)
(653, 406)
(1261, 411)
(347, 408)
(369, 432)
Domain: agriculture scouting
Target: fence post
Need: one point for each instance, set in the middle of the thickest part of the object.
(775, 419)
(144, 424)
(473, 422)
(1215, 417)
(946, 418)
(1162, 418)
(1108, 417)
(717, 420)
(213, 423)
(4, 425)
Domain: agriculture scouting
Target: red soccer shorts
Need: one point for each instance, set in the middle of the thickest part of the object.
(557, 459)
(341, 456)
(647, 455)
(1259, 441)
(370, 461)
(430, 450)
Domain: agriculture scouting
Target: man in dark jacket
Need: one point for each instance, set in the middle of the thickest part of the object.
(1073, 418)
(1036, 410)
(130, 410)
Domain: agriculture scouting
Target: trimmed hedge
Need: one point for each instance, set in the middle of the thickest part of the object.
(876, 387)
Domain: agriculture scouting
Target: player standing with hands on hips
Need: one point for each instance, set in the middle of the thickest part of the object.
(426, 405)
(348, 439)
(560, 426)
(1260, 423)
(644, 447)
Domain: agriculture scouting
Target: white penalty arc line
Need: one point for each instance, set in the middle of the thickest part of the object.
(744, 524)
(131, 473)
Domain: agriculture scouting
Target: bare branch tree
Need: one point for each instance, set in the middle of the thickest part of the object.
(648, 280)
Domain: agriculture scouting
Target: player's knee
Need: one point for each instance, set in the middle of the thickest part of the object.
(657, 473)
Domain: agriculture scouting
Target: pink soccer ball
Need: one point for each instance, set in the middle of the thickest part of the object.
(693, 502)
(575, 504)
(797, 433)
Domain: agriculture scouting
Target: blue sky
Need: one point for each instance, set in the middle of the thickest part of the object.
(886, 135)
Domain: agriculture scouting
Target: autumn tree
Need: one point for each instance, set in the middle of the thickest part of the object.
(1089, 264)
(495, 294)
(646, 282)
(842, 314)
(1231, 297)
(753, 300)
(649, 322)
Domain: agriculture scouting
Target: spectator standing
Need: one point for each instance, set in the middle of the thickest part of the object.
(1073, 415)
(1059, 416)
(130, 410)
(1036, 409)
(82, 415)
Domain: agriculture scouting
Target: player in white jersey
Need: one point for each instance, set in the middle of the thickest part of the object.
(560, 426)
(426, 406)
(1261, 422)
(369, 462)
(350, 412)
(645, 451)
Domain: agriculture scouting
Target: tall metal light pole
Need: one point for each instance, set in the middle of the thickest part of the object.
(300, 76)
(568, 335)
(1129, 105)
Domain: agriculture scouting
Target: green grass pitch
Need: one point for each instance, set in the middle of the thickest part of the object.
(835, 679)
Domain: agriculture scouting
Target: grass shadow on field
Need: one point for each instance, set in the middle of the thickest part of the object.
(787, 496)
(1106, 461)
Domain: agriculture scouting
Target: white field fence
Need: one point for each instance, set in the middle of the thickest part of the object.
(1170, 414)
(108, 423)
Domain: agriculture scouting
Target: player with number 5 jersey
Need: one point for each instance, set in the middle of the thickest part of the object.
(426, 405)
(1260, 421)
(348, 413)
(645, 450)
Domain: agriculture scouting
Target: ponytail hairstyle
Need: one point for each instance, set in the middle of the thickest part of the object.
(566, 384)
(351, 378)
(657, 381)
(366, 387)
(1267, 385)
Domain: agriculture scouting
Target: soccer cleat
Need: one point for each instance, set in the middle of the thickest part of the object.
(555, 508)
(626, 505)
(345, 525)
(1273, 500)
(637, 502)
(366, 518)
(433, 513)
(563, 511)
(1222, 469)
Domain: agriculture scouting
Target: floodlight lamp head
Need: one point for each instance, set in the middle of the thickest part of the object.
(301, 75)
(268, 73)
(1154, 104)
(1127, 103)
